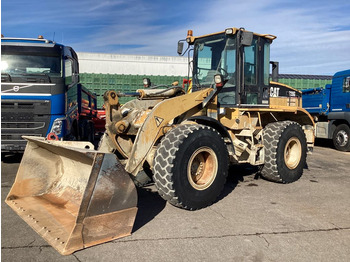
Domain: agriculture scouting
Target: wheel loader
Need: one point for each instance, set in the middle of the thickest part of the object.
(183, 142)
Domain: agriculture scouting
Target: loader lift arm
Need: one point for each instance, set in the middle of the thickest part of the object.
(152, 128)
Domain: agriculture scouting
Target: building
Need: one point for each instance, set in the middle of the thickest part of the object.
(99, 63)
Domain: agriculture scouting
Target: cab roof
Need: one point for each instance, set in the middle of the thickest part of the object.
(231, 31)
(40, 42)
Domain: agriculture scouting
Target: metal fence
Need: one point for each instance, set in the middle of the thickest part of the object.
(100, 83)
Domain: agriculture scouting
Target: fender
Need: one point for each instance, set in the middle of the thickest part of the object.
(208, 121)
(340, 116)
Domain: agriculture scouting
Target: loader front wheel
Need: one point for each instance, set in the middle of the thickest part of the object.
(285, 152)
(191, 166)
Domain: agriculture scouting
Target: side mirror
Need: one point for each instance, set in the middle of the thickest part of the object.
(71, 68)
(246, 38)
(180, 47)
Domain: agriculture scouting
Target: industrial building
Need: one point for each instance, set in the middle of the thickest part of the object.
(99, 63)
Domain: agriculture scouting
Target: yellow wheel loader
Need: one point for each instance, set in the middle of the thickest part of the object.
(75, 196)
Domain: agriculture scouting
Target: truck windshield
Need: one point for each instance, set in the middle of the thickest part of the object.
(13, 64)
(216, 55)
(21, 60)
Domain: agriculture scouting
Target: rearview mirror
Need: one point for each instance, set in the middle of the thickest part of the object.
(180, 47)
(246, 38)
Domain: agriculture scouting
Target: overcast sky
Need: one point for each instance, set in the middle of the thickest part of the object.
(313, 37)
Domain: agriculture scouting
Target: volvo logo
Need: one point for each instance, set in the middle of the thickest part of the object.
(19, 86)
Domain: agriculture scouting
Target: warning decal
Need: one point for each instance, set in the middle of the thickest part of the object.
(159, 120)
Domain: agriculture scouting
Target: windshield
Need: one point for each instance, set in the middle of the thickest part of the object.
(216, 55)
(13, 64)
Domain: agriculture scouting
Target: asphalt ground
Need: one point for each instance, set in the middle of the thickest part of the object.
(253, 220)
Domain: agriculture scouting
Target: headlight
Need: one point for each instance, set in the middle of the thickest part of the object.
(146, 82)
(229, 31)
(219, 80)
(57, 126)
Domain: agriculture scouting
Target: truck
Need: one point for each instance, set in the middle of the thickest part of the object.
(181, 142)
(41, 95)
(330, 108)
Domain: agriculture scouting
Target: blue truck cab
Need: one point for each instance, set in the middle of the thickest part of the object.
(330, 107)
(41, 94)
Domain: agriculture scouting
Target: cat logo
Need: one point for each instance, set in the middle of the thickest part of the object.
(274, 91)
(158, 120)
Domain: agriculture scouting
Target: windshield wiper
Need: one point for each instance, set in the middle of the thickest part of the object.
(7, 75)
(36, 75)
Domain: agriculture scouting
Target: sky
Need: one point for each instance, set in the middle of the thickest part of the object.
(313, 37)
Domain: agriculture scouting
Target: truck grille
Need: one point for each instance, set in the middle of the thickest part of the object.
(22, 125)
(14, 138)
(18, 118)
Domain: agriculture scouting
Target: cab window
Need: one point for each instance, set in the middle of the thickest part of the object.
(250, 64)
(346, 85)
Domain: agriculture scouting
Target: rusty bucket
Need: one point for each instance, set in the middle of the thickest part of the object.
(72, 196)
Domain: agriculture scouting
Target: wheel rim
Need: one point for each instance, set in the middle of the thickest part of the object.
(202, 168)
(342, 138)
(292, 153)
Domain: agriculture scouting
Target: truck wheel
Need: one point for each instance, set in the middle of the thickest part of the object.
(341, 138)
(285, 152)
(87, 131)
(191, 166)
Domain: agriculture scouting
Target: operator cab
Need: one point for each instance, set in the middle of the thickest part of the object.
(243, 60)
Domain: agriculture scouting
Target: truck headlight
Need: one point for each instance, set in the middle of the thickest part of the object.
(57, 126)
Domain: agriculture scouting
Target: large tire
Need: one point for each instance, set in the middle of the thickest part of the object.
(191, 166)
(341, 137)
(285, 152)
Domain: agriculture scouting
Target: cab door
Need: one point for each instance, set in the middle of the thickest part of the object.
(255, 72)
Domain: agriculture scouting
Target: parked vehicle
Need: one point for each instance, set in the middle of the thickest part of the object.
(41, 94)
(100, 123)
(330, 108)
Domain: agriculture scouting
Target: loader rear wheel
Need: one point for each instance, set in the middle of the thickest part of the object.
(285, 152)
(191, 166)
(341, 138)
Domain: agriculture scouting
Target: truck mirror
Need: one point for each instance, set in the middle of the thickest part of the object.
(180, 47)
(71, 71)
(246, 38)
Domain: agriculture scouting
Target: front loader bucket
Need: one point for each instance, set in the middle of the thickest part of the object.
(73, 197)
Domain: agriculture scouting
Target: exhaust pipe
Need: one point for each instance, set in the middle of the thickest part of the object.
(275, 71)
